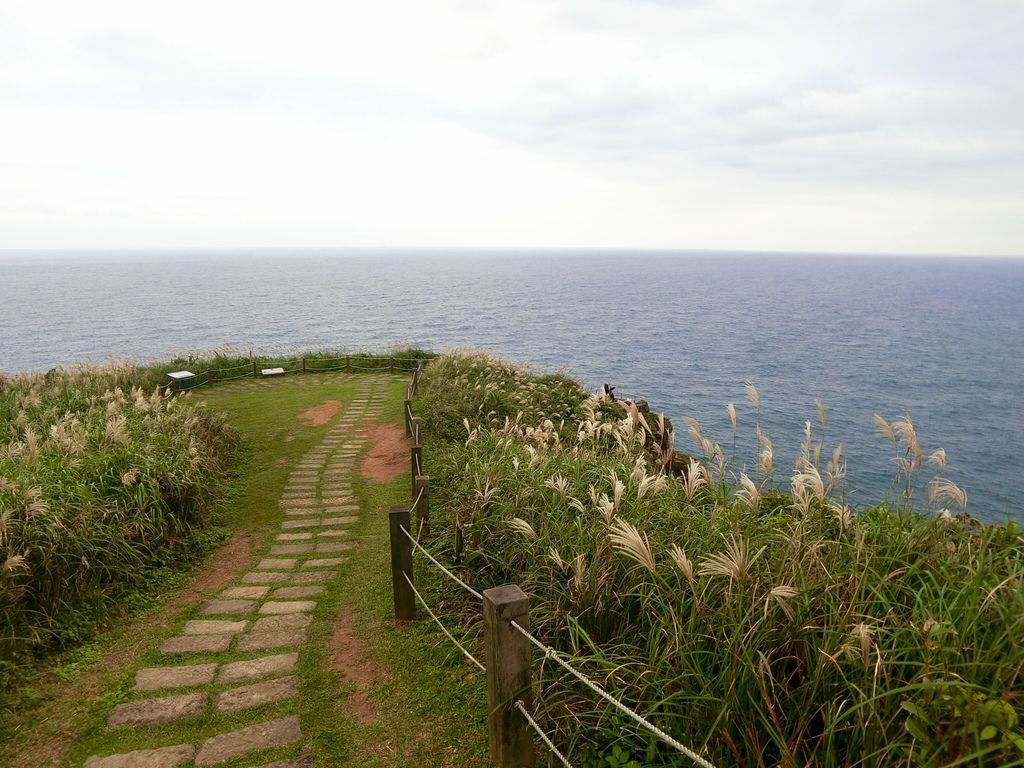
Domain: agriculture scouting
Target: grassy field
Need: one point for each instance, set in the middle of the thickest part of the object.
(761, 623)
(428, 707)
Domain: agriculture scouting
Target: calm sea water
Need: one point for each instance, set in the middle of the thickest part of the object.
(939, 339)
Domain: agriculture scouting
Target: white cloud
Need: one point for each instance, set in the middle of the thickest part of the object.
(873, 126)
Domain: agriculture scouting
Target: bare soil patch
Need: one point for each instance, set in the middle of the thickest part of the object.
(389, 453)
(349, 657)
(68, 705)
(319, 415)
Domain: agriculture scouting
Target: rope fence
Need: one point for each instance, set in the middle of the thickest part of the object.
(541, 735)
(444, 629)
(507, 639)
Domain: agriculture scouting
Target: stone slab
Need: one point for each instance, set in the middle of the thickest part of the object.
(256, 694)
(213, 627)
(312, 577)
(302, 512)
(160, 710)
(290, 593)
(340, 520)
(294, 536)
(225, 746)
(267, 577)
(276, 563)
(278, 664)
(164, 757)
(291, 549)
(324, 562)
(196, 644)
(244, 593)
(155, 678)
(232, 607)
(264, 641)
(299, 503)
(282, 621)
(277, 607)
(337, 546)
(333, 533)
(290, 524)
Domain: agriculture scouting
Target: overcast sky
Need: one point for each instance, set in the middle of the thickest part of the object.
(889, 126)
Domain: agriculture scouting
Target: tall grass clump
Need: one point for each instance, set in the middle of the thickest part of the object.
(101, 480)
(763, 625)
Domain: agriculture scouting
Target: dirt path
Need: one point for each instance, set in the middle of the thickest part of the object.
(239, 655)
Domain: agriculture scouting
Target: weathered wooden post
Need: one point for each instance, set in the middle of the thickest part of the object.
(421, 491)
(401, 564)
(507, 659)
(415, 464)
(303, 363)
(407, 404)
(414, 424)
(391, 365)
(255, 370)
(348, 364)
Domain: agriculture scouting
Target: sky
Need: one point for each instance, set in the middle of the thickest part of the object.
(889, 126)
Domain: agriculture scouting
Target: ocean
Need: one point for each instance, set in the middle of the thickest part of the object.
(938, 339)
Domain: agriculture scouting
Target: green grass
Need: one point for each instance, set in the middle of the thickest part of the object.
(430, 707)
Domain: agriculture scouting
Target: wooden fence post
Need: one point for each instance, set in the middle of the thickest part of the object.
(507, 659)
(415, 464)
(421, 491)
(303, 363)
(415, 424)
(401, 563)
(408, 417)
(348, 364)
(255, 373)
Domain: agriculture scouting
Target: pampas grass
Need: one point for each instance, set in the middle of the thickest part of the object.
(765, 626)
(100, 479)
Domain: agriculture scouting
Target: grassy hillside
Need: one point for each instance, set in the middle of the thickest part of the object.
(764, 625)
(101, 481)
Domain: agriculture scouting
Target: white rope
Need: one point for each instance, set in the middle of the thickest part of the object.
(444, 570)
(426, 607)
(543, 736)
(416, 504)
(419, 470)
(551, 653)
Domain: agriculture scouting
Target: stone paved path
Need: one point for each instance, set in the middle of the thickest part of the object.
(264, 618)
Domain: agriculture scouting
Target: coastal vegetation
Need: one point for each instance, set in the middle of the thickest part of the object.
(103, 482)
(753, 616)
(108, 486)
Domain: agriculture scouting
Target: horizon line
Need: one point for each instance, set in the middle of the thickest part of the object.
(122, 250)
